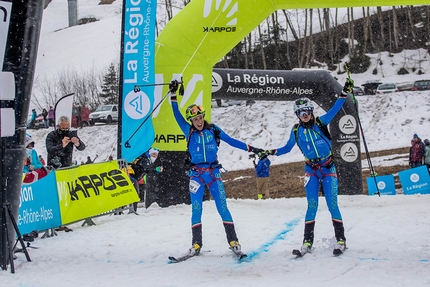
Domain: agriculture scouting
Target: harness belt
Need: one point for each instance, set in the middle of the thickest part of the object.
(315, 163)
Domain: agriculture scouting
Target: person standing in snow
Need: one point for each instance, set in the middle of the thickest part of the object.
(51, 116)
(262, 171)
(143, 166)
(416, 152)
(205, 169)
(319, 167)
(45, 118)
(60, 144)
(427, 153)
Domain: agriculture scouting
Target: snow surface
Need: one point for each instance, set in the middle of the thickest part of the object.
(387, 236)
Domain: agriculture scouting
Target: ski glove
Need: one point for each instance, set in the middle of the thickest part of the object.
(271, 151)
(173, 86)
(347, 88)
(255, 150)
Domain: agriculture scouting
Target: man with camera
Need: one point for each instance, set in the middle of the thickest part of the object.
(60, 143)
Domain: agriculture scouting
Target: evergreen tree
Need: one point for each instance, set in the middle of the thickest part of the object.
(110, 86)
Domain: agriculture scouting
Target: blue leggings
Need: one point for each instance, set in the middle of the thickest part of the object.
(330, 186)
(212, 178)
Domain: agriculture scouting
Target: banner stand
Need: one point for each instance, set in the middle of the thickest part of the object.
(7, 212)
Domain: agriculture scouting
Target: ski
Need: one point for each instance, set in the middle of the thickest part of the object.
(298, 253)
(338, 251)
(180, 259)
(239, 254)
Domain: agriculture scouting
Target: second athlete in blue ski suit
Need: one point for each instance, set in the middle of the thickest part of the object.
(205, 169)
(319, 167)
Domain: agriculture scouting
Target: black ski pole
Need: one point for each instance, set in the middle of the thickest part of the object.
(369, 161)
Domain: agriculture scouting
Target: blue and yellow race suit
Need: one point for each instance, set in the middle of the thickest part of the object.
(316, 148)
(205, 171)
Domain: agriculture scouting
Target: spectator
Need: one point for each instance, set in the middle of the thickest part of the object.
(33, 169)
(262, 171)
(416, 152)
(42, 160)
(60, 144)
(202, 141)
(32, 119)
(45, 118)
(427, 153)
(51, 116)
(89, 160)
(142, 166)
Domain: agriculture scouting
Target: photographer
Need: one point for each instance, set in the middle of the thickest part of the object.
(60, 143)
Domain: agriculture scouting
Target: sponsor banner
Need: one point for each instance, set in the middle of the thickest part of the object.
(137, 58)
(38, 205)
(415, 180)
(92, 189)
(385, 184)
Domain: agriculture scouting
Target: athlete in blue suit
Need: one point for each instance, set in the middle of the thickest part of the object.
(319, 167)
(205, 169)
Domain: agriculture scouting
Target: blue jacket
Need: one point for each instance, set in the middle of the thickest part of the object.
(32, 160)
(312, 141)
(202, 144)
(262, 168)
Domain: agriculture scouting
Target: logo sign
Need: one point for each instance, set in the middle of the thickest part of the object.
(5, 9)
(229, 11)
(347, 124)
(385, 184)
(137, 105)
(349, 152)
(216, 82)
(415, 180)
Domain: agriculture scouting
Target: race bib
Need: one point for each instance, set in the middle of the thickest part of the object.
(306, 180)
(194, 186)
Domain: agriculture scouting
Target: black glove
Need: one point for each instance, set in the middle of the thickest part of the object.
(271, 151)
(173, 86)
(255, 150)
(347, 88)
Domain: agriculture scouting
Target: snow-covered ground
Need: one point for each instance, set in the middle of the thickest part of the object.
(387, 236)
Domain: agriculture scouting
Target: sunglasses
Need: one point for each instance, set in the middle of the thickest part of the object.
(195, 110)
(303, 112)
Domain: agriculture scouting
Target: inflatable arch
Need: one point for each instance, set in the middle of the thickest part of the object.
(196, 39)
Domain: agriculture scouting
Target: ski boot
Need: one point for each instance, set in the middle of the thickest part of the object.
(339, 248)
(235, 246)
(194, 250)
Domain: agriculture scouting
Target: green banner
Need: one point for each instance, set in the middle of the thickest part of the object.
(93, 189)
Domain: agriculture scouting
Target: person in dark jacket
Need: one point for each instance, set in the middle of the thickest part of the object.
(144, 166)
(60, 144)
(416, 152)
(45, 118)
(204, 168)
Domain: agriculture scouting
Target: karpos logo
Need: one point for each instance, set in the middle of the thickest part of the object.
(105, 181)
(228, 8)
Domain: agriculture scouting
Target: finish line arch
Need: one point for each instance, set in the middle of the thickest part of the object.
(196, 39)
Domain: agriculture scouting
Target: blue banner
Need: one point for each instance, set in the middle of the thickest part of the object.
(38, 208)
(415, 180)
(137, 60)
(385, 183)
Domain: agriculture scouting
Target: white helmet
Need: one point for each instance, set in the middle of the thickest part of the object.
(303, 104)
